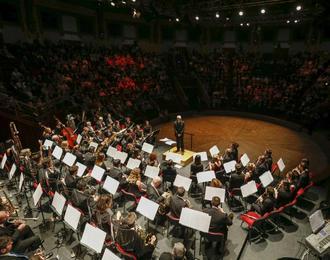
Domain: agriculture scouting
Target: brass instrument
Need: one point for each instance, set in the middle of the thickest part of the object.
(15, 136)
(8, 205)
(164, 205)
(146, 237)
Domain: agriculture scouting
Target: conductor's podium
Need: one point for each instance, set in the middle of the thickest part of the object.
(187, 157)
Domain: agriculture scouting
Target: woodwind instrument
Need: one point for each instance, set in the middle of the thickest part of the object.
(8, 205)
(15, 136)
(13, 219)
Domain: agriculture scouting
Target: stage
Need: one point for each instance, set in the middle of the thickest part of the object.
(253, 136)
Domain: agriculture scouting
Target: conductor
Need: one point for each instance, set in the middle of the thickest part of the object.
(179, 133)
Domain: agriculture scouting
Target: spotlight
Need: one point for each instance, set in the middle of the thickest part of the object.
(217, 15)
(262, 11)
(298, 7)
(240, 13)
(287, 21)
(196, 17)
(113, 4)
(241, 24)
(295, 21)
(177, 19)
(247, 24)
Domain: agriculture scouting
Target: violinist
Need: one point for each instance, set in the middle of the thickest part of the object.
(283, 194)
(265, 203)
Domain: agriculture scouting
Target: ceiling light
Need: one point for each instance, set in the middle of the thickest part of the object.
(124, 2)
(177, 19)
(133, 1)
(240, 13)
(227, 18)
(241, 24)
(262, 11)
(295, 21)
(217, 15)
(112, 3)
(247, 24)
(298, 8)
(196, 18)
(287, 21)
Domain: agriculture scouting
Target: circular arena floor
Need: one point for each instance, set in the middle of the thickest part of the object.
(253, 136)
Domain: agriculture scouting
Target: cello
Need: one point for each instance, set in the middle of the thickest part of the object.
(68, 133)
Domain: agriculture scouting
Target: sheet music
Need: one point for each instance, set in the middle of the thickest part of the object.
(81, 169)
(245, 159)
(181, 181)
(12, 171)
(176, 158)
(164, 139)
(281, 165)
(133, 163)
(79, 137)
(151, 171)
(93, 238)
(122, 156)
(214, 150)
(37, 195)
(195, 219)
(249, 189)
(48, 143)
(93, 144)
(266, 178)
(178, 166)
(111, 152)
(108, 255)
(148, 148)
(97, 173)
(69, 159)
(229, 166)
(57, 152)
(72, 217)
(205, 176)
(3, 161)
(211, 192)
(147, 208)
(203, 156)
(170, 142)
(21, 180)
(58, 203)
(111, 185)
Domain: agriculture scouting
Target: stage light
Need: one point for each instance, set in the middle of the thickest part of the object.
(298, 7)
(217, 15)
(295, 21)
(196, 18)
(262, 11)
(177, 19)
(287, 21)
(247, 24)
(241, 24)
(113, 4)
(240, 13)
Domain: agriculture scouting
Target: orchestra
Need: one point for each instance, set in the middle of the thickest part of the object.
(102, 208)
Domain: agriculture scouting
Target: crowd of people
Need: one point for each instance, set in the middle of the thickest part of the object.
(126, 81)
(98, 137)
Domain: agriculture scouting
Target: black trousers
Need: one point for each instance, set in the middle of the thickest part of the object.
(27, 241)
(180, 143)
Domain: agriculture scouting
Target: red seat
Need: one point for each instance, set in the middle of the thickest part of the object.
(253, 219)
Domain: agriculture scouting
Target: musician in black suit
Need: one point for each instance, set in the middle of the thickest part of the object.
(116, 172)
(21, 234)
(71, 179)
(265, 203)
(284, 194)
(219, 223)
(179, 134)
(155, 191)
(177, 202)
(6, 246)
(237, 178)
(195, 168)
(268, 159)
(169, 172)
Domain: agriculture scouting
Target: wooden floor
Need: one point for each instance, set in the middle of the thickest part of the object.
(253, 136)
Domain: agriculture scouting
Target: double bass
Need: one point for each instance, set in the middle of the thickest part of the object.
(68, 133)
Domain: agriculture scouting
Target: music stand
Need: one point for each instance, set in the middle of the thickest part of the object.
(93, 239)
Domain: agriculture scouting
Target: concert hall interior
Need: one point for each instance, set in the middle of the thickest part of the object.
(164, 129)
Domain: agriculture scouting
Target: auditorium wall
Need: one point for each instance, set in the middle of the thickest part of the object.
(58, 20)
